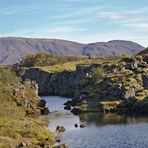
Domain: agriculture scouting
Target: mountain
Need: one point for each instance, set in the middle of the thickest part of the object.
(143, 52)
(13, 49)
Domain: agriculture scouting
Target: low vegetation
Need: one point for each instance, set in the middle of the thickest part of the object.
(45, 59)
(15, 124)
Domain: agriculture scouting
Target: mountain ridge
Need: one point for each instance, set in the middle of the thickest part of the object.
(13, 49)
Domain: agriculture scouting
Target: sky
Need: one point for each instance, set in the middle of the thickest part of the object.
(82, 21)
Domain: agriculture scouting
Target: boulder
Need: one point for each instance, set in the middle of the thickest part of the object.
(42, 103)
(22, 144)
(76, 111)
(67, 107)
(130, 93)
(76, 125)
(131, 64)
(82, 126)
(57, 139)
(44, 111)
(60, 129)
(145, 80)
(70, 103)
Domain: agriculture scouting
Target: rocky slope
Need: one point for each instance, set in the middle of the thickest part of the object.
(12, 49)
(20, 107)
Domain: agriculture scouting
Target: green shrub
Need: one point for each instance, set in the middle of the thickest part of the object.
(7, 76)
(45, 59)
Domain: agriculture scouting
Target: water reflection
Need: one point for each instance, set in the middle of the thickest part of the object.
(111, 118)
(102, 130)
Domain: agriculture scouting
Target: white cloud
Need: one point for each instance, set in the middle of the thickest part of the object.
(78, 12)
(22, 9)
(111, 15)
(65, 29)
(143, 26)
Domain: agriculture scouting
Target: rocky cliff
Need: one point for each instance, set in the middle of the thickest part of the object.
(117, 80)
(64, 83)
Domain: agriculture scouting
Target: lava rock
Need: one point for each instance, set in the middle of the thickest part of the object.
(76, 125)
(67, 107)
(44, 111)
(42, 103)
(60, 129)
(22, 144)
(82, 126)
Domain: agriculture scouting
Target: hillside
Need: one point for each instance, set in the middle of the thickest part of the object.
(13, 49)
(145, 51)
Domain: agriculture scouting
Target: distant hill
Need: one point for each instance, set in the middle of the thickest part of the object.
(145, 51)
(13, 49)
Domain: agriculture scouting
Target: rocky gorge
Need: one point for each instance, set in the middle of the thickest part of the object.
(106, 84)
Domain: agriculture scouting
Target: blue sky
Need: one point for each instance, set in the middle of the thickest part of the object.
(78, 20)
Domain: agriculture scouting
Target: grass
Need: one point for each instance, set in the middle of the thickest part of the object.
(15, 125)
(111, 105)
(117, 102)
(71, 66)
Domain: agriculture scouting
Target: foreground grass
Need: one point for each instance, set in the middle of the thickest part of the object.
(15, 125)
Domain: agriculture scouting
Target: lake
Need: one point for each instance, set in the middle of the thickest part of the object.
(101, 131)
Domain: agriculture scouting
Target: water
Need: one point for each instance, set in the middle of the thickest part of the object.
(101, 131)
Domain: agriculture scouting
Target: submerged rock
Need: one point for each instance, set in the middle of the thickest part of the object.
(82, 126)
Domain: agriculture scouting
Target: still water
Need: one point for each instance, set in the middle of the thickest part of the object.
(101, 131)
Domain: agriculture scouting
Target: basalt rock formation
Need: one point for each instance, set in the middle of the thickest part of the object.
(109, 84)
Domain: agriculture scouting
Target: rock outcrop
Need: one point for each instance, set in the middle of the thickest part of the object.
(123, 80)
(63, 84)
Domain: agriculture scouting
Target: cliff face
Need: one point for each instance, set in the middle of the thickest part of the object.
(65, 83)
(61, 84)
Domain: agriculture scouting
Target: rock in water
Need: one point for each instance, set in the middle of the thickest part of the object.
(76, 125)
(82, 126)
(60, 128)
(44, 111)
(42, 103)
(67, 107)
